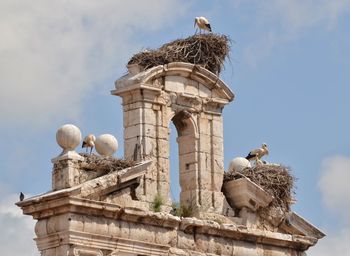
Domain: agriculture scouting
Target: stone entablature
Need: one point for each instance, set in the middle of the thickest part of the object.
(72, 223)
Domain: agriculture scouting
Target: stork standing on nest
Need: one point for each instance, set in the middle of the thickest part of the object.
(89, 142)
(257, 154)
(202, 23)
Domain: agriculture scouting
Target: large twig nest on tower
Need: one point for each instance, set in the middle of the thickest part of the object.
(207, 50)
(276, 180)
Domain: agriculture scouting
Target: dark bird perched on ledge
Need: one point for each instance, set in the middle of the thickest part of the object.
(258, 153)
(21, 197)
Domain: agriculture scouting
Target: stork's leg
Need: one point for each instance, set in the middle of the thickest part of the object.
(259, 162)
(91, 150)
(196, 31)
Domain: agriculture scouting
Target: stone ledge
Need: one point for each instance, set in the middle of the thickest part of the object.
(188, 225)
(100, 242)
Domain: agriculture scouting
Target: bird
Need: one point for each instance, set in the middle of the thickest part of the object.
(21, 197)
(202, 23)
(258, 153)
(89, 142)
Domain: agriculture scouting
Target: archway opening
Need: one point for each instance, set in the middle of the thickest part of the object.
(174, 165)
(187, 158)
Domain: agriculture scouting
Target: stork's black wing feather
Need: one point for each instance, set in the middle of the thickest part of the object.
(250, 156)
(208, 26)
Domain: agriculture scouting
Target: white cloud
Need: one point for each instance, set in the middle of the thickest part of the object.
(297, 15)
(336, 243)
(52, 53)
(334, 185)
(17, 230)
(335, 189)
(279, 22)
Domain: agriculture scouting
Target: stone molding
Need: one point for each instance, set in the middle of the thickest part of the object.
(197, 73)
(187, 225)
(245, 193)
(295, 224)
(97, 243)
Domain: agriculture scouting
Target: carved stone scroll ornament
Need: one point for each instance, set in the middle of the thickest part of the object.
(85, 252)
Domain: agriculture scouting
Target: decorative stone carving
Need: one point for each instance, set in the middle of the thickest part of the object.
(238, 164)
(68, 137)
(244, 193)
(85, 252)
(106, 144)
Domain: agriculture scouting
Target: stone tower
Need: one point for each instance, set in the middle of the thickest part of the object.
(94, 212)
(193, 99)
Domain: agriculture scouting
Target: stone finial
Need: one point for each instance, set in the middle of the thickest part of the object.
(68, 137)
(106, 145)
(237, 164)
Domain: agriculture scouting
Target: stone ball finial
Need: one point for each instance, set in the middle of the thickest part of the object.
(106, 145)
(237, 164)
(68, 136)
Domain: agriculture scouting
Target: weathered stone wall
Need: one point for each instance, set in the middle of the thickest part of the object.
(156, 234)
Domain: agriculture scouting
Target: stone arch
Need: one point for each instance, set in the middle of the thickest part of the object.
(184, 123)
(187, 140)
(193, 99)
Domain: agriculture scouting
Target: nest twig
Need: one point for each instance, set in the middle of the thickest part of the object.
(103, 164)
(206, 50)
(276, 180)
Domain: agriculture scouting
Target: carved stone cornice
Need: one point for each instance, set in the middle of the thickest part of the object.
(166, 221)
(144, 79)
(86, 243)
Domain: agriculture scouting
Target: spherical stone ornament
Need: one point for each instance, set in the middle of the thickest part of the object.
(237, 164)
(106, 145)
(68, 137)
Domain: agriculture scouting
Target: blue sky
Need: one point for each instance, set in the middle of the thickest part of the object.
(289, 69)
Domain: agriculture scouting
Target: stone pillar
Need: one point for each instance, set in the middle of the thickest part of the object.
(65, 173)
(145, 137)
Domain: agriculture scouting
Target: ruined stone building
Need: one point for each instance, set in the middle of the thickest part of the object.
(96, 213)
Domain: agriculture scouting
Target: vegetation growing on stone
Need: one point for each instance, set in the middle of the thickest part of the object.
(157, 203)
(181, 210)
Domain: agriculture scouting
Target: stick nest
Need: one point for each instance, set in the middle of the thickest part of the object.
(276, 180)
(103, 164)
(207, 50)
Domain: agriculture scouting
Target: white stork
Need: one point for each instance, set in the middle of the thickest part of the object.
(202, 23)
(258, 153)
(89, 142)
